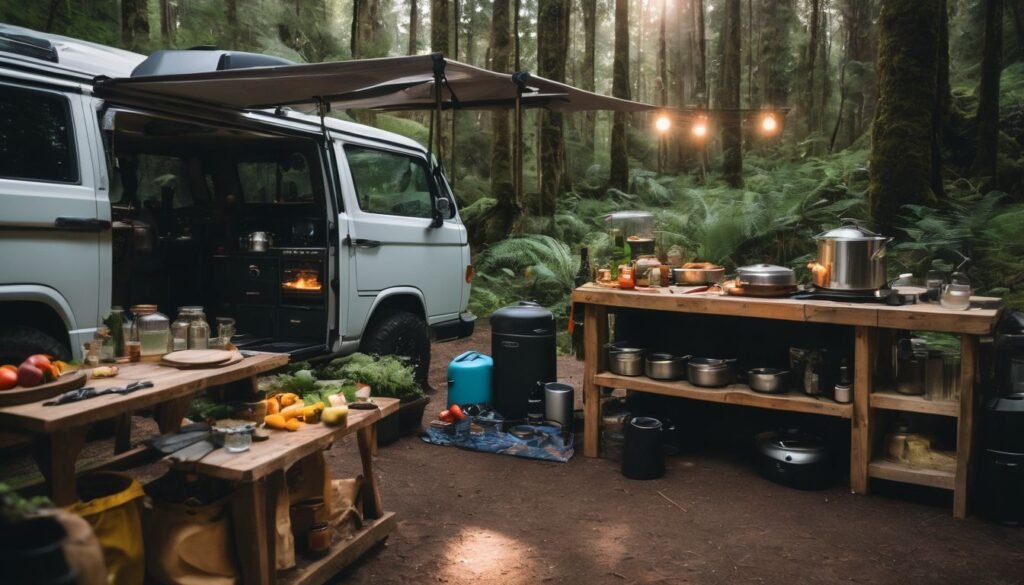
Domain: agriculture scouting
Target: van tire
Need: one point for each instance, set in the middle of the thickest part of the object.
(403, 334)
(17, 343)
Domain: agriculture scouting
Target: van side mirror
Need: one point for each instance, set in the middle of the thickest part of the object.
(442, 211)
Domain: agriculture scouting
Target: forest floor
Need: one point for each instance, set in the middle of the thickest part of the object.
(484, 519)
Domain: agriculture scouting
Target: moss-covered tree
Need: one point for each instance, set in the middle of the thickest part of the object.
(552, 49)
(587, 75)
(619, 175)
(903, 141)
(439, 34)
(729, 99)
(134, 23)
(414, 27)
(988, 91)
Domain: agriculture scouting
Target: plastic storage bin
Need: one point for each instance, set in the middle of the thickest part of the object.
(469, 379)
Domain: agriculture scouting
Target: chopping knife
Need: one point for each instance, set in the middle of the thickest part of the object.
(89, 392)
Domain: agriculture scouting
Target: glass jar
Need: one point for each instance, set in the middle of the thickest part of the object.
(626, 281)
(152, 329)
(198, 330)
(644, 267)
(106, 344)
(957, 294)
(179, 329)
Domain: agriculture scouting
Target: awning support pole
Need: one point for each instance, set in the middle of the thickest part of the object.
(438, 80)
(519, 78)
(323, 107)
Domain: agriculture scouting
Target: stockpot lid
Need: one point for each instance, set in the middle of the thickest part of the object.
(850, 233)
(523, 318)
(766, 275)
(792, 447)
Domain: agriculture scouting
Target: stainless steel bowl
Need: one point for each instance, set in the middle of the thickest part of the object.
(697, 276)
(711, 373)
(768, 380)
(665, 366)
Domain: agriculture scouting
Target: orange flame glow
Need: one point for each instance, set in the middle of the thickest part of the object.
(304, 281)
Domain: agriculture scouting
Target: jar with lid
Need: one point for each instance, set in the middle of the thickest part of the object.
(644, 267)
(626, 277)
(152, 329)
(198, 330)
(106, 344)
(179, 329)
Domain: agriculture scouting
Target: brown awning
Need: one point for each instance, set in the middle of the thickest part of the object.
(393, 83)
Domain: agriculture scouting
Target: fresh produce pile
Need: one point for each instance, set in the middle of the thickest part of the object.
(287, 411)
(36, 370)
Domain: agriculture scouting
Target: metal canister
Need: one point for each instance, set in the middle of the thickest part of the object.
(558, 403)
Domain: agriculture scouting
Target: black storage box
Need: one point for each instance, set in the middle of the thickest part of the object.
(523, 349)
(642, 454)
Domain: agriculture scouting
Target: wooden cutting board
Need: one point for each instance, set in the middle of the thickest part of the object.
(234, 359)
(18, 395)
(198, 357)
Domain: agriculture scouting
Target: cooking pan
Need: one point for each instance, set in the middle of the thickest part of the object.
(695, 273)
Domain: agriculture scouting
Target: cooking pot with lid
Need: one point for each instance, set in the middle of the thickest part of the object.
(765, 275)
(850, 258)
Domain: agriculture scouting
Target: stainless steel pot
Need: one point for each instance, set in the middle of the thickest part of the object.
(665, 366)
(626, 363)
(710, 372)
(768, 380)
(260, 241)
(765, 275)
(697, 273)
(850, 258)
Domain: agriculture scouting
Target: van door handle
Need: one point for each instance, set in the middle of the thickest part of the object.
(81, 224)
(364, 243)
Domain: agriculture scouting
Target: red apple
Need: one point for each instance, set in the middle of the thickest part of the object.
(29, 375)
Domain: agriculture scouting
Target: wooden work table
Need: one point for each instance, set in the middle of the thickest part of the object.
(58, 432)
(869, 320)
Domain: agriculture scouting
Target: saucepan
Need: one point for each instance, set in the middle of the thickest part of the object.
(768, 380)
(710, 372)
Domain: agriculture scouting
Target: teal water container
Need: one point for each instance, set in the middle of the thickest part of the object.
(469, 379)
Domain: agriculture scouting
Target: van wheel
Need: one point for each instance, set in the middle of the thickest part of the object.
(17, 343)
(403, 334)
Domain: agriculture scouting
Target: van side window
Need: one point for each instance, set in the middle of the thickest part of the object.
(37, 142)
(390, 183)
(285, 179)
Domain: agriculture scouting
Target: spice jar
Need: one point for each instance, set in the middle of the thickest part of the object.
(318, 540)
(626, 280)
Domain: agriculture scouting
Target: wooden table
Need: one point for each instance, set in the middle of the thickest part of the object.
(58, 432)
(870, 322)
(259, 475)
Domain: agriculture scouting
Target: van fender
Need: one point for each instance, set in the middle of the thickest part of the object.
(391, 293)
(44, 295)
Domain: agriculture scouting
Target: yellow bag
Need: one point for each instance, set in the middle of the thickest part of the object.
(190, 544)
(110, 503)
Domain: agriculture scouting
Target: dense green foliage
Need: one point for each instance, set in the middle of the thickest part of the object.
(387, 375)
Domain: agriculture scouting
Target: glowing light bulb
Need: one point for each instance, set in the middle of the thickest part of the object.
(700, 129)
(768, 123)
(663, 123)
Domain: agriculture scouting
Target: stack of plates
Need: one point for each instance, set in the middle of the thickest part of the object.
(201, 358)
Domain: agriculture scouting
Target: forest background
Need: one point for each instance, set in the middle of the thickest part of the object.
(906, 115)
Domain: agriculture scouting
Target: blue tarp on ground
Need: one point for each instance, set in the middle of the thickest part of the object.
(531, 441)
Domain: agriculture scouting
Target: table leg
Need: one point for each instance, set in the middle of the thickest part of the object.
(373, 507)
(965, 424)
(168, 414)
(254, 541)
(595, 333)
(860, 421)
(122, 433)
(55, 454)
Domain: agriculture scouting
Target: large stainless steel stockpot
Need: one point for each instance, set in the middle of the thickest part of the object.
(850, 258)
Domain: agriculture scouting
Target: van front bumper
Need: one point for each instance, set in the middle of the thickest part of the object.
(455, 329)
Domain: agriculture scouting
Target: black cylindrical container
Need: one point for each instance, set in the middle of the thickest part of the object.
(523, 349)
(1002, 486)
(642, 456)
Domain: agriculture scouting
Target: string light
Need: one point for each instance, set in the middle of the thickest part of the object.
(700, 128)
(768, 124)
(663, 123)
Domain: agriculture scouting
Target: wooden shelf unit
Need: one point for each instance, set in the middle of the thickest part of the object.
(869, 320)
(893, 471)
(342, 554)
(733, 394)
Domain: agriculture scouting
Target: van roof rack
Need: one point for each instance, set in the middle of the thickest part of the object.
(203, 59)
(28, 46)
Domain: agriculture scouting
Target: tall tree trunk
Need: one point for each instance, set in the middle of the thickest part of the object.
(1018, 22)
(414, 27)
(231, 14)
(517, 61)
(988, 91)
(51, 14)
(552, 49)
(859, 58)
(811, 58)
(168, 23)
(729, 100)
(750, 53)
(903, 137)
(701, 70)
(587, 80)
(619, 175)
(776, 18)
(943, 98)
(368, 27)
(134, 23)
(439, 22)
(456, 20)
(662, 82)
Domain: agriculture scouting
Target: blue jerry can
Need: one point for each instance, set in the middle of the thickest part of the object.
(469, 379)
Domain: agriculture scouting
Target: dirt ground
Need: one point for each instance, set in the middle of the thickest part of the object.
(483, 519)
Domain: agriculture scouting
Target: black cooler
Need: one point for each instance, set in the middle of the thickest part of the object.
(523, 349)
(1002, 462)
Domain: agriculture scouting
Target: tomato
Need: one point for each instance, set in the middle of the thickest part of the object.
(8, 378)
(456, 412)
(10, 367)
(39, 360)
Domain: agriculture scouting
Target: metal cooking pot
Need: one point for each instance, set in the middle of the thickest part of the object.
(765, 275)
(260, 241)
(710, 372)
(625, 360)
(768, 380)
(665, 366)
(850, 258)
(697, 273)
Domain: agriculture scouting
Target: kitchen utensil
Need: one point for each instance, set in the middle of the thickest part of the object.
(643, 457)
(850, 258)
(236, 356)
(711, 373)
(626, 363)
(765, 275)
(88, 392)
(696, 273)
(70, 381)
(665, 366)
(768, 380)
(957, 294)
(794, 459)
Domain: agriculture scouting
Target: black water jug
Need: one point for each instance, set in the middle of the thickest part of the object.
(523, 349)
(642, 455)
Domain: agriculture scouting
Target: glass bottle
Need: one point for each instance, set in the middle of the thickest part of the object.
(116, 324)
(618, 243)
(583, 274)
(154, 330)
(199, 331)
